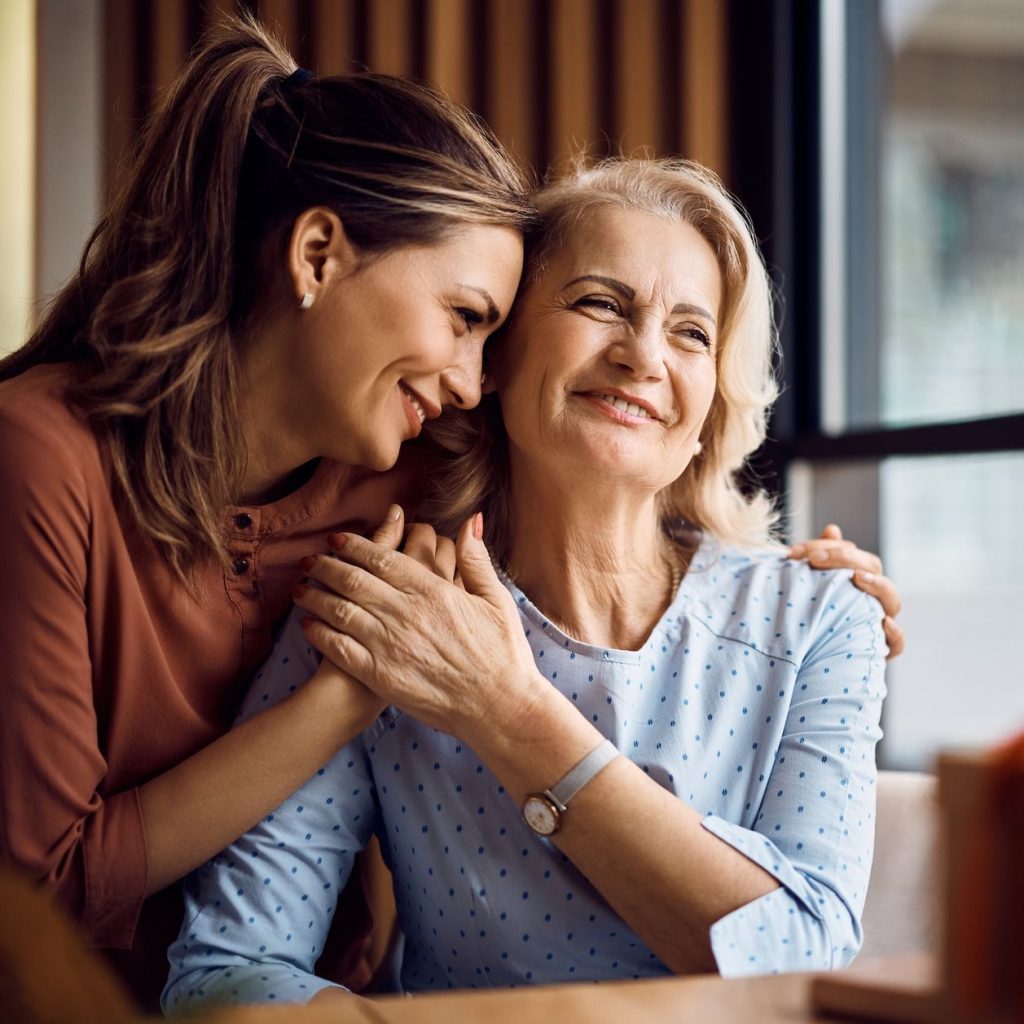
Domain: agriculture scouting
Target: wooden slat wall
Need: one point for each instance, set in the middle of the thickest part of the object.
(552, 77)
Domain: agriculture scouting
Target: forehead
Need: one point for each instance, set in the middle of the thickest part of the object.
(649, 252)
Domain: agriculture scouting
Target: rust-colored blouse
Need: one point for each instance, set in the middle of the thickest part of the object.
(112, 674)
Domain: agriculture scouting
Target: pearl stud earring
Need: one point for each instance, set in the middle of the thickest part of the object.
(697, 448)
(307, 301)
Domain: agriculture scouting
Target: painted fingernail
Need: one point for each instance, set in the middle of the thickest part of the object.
(307, 562)
(819, 557)
(478, 526)
(336, 541)
(394, 513)
(305, 622)
(298, 590)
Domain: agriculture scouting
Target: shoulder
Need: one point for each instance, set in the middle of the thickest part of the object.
(50, 458)
(35, 409)
(778, 605)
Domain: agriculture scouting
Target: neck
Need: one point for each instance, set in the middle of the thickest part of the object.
(593, 560)
(276, 462)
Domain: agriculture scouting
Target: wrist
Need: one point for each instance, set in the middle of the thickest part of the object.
(540, 737)
(339, 699)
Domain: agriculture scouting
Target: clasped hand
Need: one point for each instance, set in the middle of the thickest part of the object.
(429, 629)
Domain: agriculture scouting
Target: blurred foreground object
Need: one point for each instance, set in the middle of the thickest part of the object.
(46, 973)
(981, 970)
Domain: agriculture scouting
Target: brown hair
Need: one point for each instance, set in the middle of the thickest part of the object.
(708, 496)
(236, 151)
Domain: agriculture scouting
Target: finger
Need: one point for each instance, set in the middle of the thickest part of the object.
(337, 612)
(894, 637)
(389, 533)
(349, 581)
(843, 555)
(421, 545)
(445, 560)
(342, 651)
(831, 532)
(473, 560)
(392, 568)
(880, 587)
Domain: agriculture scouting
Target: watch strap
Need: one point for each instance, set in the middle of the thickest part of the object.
(572, 782)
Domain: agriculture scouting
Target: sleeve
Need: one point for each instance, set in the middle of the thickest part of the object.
(88, 850)
(257, 915)
(814, 831)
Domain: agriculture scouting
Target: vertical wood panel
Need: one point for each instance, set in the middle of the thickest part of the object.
(390, 37)
(283, 18)
(549, 75)
(215, 11)
(121, 88)
(511, 104)
(705, 90)
(574, 88)
(169, 43)
(638, 76)
(449, 48)
(332, 41)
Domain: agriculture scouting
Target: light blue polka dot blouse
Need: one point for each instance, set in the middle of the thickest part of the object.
(756, 700)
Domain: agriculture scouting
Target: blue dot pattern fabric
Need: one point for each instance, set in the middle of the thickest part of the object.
(756, 700)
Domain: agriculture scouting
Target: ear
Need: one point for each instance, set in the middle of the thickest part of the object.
(318, 249)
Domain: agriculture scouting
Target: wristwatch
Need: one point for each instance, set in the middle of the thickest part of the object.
(543, 811)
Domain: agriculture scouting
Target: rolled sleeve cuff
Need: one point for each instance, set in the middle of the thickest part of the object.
(246, 985)
(116, 869)
(780, 931)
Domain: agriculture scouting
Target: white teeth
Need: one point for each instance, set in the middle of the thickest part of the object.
(627, 407)
(415, 402)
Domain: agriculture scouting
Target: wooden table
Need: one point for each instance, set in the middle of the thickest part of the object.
(707, 999)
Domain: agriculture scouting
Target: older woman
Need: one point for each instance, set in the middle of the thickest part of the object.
(646, 744)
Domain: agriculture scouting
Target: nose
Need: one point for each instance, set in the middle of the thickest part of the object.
(461, 379)
(640, 350)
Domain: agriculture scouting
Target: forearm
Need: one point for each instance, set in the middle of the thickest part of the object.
(203, 804)
(640, 846)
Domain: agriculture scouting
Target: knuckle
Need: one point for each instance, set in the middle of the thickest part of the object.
(379, 560)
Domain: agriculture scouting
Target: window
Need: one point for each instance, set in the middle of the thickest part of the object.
(892, 214)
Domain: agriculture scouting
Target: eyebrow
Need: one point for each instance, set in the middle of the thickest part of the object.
(628, 293)
(493, 313)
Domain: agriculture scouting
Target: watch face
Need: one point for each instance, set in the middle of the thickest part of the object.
(540, 815)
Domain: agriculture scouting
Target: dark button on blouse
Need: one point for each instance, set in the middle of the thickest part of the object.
(243, 520)
(241, 566)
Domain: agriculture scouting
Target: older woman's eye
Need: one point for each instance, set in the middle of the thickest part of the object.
(600, 302)
(692, 333)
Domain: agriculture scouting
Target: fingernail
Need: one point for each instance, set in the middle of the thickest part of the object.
(298, 590)
(797, 550)
(305, 622)
(819, 557)
(478, 526)
(307, 563)
(336, 541)
(394, 513)
(865, 576)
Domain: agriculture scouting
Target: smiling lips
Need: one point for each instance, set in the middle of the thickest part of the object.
(417, 408)
(628, 408)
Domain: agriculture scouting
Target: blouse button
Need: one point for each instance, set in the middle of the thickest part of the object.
(243, 520)
(241, 566)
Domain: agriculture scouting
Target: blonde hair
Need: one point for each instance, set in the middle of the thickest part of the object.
(709, 496)
(156, 315)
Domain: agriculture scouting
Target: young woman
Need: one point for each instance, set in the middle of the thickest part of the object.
(649, 745)
(296, 274)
